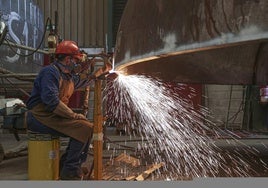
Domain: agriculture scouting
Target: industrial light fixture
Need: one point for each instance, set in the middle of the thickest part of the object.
(3, 31)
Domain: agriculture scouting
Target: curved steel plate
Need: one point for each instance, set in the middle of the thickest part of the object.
(195, 41)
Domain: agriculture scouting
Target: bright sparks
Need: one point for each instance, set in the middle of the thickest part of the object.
(174, 130)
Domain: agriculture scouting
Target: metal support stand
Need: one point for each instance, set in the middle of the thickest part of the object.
(97, 131)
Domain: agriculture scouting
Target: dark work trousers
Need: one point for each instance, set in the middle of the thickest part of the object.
(76, 151)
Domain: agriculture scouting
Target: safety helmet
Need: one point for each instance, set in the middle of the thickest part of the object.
(68, 47)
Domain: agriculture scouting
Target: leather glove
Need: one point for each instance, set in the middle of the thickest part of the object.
(80, 116)
(64, 111)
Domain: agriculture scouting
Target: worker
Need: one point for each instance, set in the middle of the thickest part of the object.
(49, 111)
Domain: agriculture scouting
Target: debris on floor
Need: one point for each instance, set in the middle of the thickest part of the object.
(128, 168)
(20, 150)
(147, 173)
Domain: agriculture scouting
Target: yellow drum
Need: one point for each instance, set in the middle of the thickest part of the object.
(43, 156)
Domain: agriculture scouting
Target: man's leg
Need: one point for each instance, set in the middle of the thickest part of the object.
(76, 151)
(35, 126)
(76, 154)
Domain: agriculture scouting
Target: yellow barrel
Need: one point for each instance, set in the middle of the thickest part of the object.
(43, 156)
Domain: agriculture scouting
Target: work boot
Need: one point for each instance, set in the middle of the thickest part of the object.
(70, 175)
(62, 160)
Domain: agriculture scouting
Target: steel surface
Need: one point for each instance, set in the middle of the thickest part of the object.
(195, 41)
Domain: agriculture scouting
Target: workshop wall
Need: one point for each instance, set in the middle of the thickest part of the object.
(84, 21)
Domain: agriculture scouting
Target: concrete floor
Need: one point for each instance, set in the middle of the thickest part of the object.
(16, 168)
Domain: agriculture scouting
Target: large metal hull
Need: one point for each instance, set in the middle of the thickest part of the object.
(195, 41)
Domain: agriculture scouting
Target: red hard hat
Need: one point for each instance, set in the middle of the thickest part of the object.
(69, 48)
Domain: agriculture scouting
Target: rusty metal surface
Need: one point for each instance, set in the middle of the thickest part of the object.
(195, 41)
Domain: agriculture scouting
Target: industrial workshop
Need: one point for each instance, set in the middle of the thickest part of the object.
(133, 90)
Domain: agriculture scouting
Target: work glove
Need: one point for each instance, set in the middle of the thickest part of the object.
(79, 116)
(64, 111)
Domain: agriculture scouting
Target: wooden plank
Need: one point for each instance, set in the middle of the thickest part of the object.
(146, 173)
(107, 177)
(128, 159)
(130, 178)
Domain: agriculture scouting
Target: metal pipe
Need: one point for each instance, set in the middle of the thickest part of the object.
(24, 47)
(5, 72)
(22, 90)
(17, 75)
(16, 85)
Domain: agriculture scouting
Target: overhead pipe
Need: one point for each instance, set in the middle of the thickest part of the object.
(24, 47)
(15, 75)
(23, 77)
(20, 89)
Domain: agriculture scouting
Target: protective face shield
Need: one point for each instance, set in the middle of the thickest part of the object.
(70, 65)
(78, 64)
(83, 65)
(75, 66)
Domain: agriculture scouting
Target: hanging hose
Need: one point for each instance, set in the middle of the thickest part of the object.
(10, 44)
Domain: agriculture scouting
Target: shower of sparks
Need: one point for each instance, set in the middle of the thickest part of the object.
(173, 129)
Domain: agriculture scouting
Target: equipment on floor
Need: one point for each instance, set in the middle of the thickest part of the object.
(13, 111)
